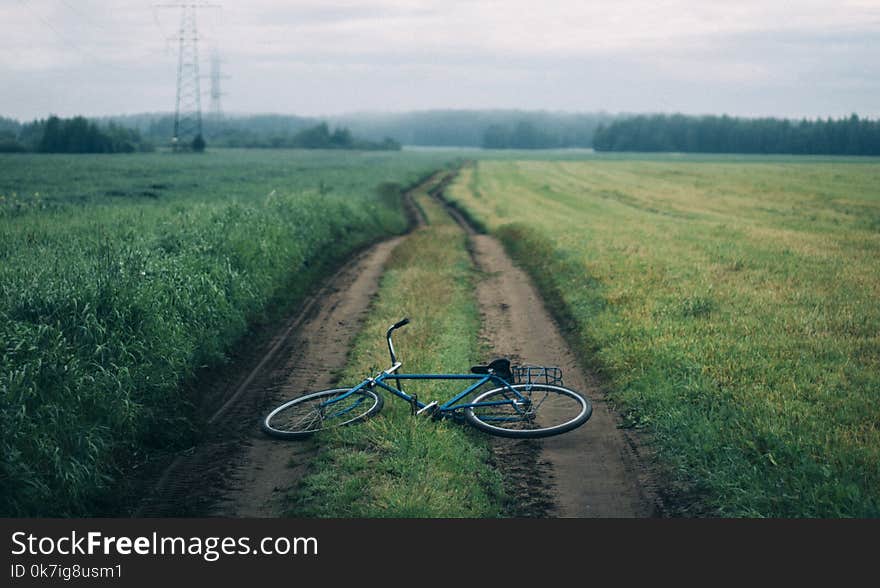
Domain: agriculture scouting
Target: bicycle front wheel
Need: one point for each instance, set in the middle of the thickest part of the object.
(318, 411)
(538, 410)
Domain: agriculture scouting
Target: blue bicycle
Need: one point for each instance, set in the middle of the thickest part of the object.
(521, 402)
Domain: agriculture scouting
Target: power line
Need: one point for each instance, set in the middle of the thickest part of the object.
(70, 43)
(48, 24)
(84, 16)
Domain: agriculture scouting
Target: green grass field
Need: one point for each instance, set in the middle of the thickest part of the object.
(730, 305)
(122, 277)
(728, 302)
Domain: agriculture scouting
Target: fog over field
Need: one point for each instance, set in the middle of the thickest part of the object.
(311, 57)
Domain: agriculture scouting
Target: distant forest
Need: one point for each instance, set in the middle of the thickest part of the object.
(266, 131)
(144, 132)
(436, 128)
(72, 135)
(724, 134)
(493, 129)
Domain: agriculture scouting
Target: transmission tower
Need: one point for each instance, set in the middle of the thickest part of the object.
(188, 106)
(216, 91)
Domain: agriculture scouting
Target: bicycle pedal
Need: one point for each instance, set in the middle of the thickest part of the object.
(428, 408)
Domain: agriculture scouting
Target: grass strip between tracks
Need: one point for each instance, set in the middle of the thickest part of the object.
(397, 465)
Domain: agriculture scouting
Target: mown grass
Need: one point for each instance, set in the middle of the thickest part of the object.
(731, 307)
(112, 300)
(397, 465)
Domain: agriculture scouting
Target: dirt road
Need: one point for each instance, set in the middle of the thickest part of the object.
(238, 472)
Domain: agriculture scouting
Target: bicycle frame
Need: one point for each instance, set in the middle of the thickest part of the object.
(447, 407)
(452, 405)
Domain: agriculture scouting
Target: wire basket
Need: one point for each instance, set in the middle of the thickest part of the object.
(536, 374)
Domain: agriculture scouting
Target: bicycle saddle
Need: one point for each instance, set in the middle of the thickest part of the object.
(500, 367)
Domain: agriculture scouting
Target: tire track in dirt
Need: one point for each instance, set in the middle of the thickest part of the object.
(593, 471)
(268, 468)
(236, 471)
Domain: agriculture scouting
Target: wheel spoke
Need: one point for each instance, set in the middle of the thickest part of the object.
(551, 410)
(536, 407)
(321, 410)
(316, 417)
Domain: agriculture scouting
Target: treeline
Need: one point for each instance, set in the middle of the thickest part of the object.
(72, 135)
(437, 128)
(492, 129)
(724, 134)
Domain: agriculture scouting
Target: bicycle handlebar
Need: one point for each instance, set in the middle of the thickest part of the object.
(397, 325)
(388, 333)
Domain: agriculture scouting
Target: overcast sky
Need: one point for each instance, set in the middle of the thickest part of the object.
(318, 57)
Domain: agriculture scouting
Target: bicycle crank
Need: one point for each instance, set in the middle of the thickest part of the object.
(428, 409)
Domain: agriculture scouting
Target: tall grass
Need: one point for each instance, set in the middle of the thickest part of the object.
(731, 307)
(110, 301)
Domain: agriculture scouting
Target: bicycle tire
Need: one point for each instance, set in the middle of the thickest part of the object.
(567, 410)
(301, 417)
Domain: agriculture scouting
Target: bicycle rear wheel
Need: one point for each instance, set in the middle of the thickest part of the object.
(542, 411)
(318, 411)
